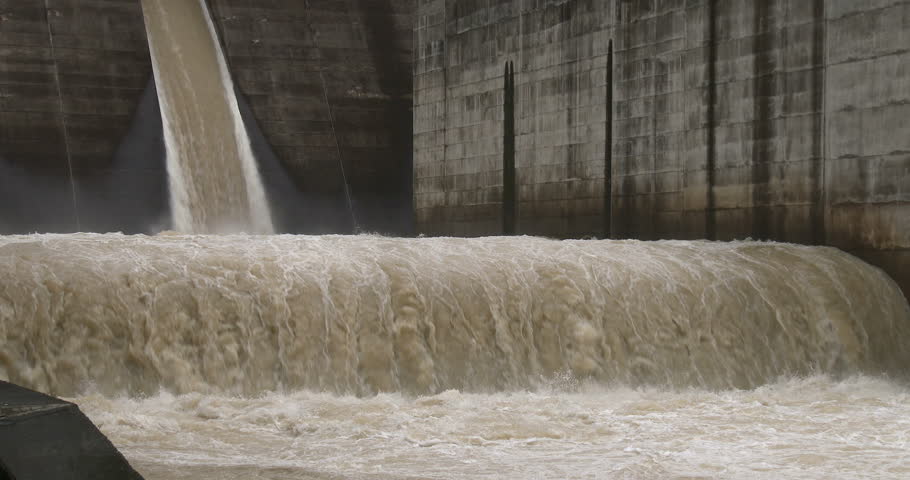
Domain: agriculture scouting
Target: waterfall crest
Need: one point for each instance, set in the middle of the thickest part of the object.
(246, 314)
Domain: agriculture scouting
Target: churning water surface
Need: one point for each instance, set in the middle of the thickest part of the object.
(369, 357)
(810, 428)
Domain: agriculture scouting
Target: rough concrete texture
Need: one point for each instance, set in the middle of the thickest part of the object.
(779, 119)
(329, 82)
(559, 50)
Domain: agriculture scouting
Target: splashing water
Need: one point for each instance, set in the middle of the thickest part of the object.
(214, 180)
(360, 315)
(810, 428)
(267, 356)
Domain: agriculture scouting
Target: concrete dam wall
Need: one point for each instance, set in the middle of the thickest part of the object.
(329, 82)
(715, 119)
(326, 104)
(72, 77)
(718, 119)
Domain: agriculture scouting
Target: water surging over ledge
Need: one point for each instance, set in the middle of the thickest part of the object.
(248, 314)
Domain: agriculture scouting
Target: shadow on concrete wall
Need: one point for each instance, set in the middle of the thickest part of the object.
(129, 197)
(293, 210)
(391, 208)
(132, 196)
(34, 202)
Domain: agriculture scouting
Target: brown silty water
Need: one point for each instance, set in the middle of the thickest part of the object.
(278, 357)
(359, 315)
(214, 182)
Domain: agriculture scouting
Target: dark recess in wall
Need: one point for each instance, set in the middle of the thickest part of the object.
(396, 81)
(817, 170)
(711, 114)
(508, 151)
(608, 148)
(763, 134)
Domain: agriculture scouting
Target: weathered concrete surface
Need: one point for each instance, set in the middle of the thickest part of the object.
(779, 119)
(329, 82)
(559, 50)
(867, 103)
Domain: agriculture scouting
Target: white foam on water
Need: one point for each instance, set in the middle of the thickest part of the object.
(283, 357)
(808, 428)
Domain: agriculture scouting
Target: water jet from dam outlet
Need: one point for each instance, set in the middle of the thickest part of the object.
(213, 177)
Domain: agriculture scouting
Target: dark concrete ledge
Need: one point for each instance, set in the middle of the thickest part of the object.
(42, 437)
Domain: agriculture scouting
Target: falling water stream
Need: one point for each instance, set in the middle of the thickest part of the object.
(369, 357)
(214, 181)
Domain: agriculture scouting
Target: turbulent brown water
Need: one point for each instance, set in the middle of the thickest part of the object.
(371, 357)
(811, 428)
(214, 180)
(363, 314)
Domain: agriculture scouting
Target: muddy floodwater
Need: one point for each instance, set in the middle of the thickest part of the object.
(812, 428)
(218, 357)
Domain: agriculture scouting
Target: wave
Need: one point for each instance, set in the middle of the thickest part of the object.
(365, 314)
